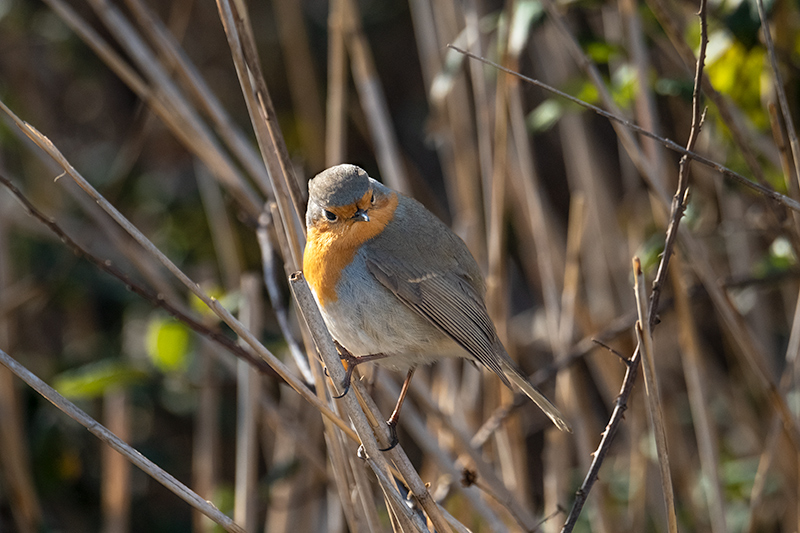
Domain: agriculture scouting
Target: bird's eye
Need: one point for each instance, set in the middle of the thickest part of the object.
(330, 216)
(372, 199)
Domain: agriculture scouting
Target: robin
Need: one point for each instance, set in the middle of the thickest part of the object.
(395, 285)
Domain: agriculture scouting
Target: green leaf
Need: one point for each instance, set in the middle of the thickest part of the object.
(92, 380)
(167, 343)
(601, 51)
(545, 116)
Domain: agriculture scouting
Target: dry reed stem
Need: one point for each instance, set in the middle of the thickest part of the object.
(676, 212)
(207, 435)
(115, 497)
(326, 349)
(672, 145)
(302, 79)
(655, 409)
(49, 148)
(101, 432)
(184, 120)
(248, 392)
(155, 299)
(336, 108)
(495, 234)
(266, 128)
(196, 87)
(695, 376)
(486, 474)
(784, 103)
(373, 101)
(480, 93)
(419, 430)
(363, 493)
(448, 95)
(547, 251)
(510, 458)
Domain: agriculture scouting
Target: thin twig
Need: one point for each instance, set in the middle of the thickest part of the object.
(612, 350)
(50, 149)
(154, 298)
(676, 212)
(672, 145)
(102, 433)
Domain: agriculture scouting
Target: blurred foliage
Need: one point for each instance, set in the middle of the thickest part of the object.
(168, 344)
(92, 380)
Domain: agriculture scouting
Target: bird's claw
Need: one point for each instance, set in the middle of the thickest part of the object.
(393, 441)
(348, 375)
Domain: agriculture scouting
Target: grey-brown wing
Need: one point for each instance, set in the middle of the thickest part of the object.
(450, 303)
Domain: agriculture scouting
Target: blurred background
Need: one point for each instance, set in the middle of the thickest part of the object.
(143, 99)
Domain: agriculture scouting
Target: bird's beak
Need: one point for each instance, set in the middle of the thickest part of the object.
(362, 215)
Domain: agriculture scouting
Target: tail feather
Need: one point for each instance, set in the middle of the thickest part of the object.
(552, 412)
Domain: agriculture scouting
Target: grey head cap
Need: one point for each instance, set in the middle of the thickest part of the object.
(338, 186)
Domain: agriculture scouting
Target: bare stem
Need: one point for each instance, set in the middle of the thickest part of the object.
(102, 433)
(676, 212)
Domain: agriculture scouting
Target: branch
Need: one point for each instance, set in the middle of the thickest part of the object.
(672, 145)
(676, 212)
(102, 433)
(155, 299)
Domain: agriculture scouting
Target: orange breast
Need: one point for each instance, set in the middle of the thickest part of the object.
(330, 247)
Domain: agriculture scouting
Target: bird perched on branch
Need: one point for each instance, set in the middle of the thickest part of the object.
(395, 285)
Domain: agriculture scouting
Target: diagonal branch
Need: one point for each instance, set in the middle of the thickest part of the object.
(151, 296)
(672, 145)
(102, 433)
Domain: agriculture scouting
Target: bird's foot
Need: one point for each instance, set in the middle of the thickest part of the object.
(393, 440)
(352, 361)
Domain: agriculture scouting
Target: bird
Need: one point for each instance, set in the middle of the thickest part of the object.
(395, 285)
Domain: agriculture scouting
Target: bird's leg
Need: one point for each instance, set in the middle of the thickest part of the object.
(352, 361)
(392, 422)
